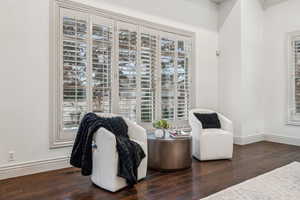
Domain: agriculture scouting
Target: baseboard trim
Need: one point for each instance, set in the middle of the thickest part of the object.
(248, 139)
(33, 167)
(282, 139)
(266, 137)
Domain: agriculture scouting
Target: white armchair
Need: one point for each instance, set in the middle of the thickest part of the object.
(105, 156)
(211, 144)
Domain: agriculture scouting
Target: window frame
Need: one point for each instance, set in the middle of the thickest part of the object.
(293, 118)
(56, 140)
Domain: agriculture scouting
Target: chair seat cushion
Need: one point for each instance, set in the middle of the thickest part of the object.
(215, 144)
(216, 131)
(208, 120)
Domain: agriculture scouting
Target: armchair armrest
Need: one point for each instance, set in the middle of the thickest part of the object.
(105, 156)
(143, 146)
(226, 124)
(104, 137)
(194, 122)
(136, 132)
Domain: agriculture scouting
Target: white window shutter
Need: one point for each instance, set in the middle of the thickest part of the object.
(74, 65)
(167, 65)
(294, 79)
(102, 73)
(128, 69)
(148, 79)
(297, 74)
(102, 62)
(183, 60)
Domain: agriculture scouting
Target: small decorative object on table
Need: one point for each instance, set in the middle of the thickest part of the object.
(179, 134)
(161, 127)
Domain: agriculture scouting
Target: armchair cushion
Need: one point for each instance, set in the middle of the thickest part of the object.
(208, 120)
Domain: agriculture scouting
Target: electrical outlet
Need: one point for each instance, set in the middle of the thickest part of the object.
(11, 156)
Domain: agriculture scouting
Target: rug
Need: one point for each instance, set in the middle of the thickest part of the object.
(280, 184)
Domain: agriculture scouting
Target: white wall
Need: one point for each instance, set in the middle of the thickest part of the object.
(195, 13)
(24, 54)
(230, 62)
(279, 20)
(240, 65)
(252, 68)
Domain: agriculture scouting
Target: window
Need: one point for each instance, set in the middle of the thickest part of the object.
(294, 79)
(108, 63)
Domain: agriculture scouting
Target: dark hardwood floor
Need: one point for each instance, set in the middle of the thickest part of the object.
(203, 179)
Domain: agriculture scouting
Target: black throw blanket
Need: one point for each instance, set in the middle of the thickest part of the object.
(130, 153)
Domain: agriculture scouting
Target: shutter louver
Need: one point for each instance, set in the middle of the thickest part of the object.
(102, 49)
(74, 47)
(148, 63)
(127, 64)
(167, 58)
(183, 50)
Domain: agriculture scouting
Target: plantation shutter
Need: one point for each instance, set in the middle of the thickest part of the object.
(145, 58)
(183, 60)
(296, 56)
(74, 64)
(103, 63)
(102, 73)
(167, 65)
(148, 63)
(127, 69)
(294, 80)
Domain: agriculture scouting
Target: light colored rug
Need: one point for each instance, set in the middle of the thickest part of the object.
(280, 184)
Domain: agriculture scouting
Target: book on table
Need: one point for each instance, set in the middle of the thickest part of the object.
(179, 134)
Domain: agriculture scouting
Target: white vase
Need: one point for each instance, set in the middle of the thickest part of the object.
(159, 133)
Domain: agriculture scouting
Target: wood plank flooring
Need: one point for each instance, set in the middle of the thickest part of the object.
(203, 179)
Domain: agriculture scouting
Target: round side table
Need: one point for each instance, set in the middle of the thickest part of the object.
(168, 154)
